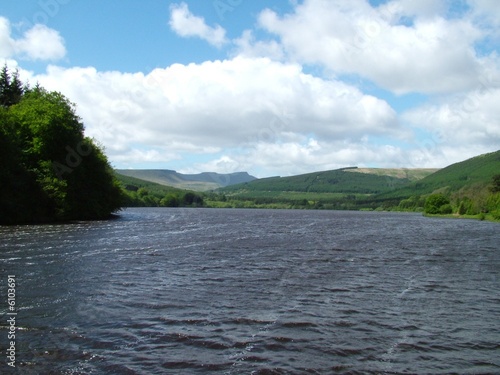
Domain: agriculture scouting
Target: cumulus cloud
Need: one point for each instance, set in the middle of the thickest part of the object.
(423, 52)
(262, 111)
(470, 119)
(242, 103)
(247, 45)
(185, 24)
(38, 43)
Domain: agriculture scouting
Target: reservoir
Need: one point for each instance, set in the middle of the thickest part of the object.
(208, 291)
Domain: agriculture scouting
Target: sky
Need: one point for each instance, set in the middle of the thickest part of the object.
(275, 87)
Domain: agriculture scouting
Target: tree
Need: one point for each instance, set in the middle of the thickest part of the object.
(11, 88)
(434, 203)
(496, 184)
(192, 199)
(170, 200)
(49, 170)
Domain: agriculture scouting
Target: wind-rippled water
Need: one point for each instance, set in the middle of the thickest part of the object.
(204, 291)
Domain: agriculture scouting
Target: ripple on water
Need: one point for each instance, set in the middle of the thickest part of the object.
(256, 291)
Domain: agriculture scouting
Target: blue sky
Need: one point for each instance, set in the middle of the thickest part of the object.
(268, 87)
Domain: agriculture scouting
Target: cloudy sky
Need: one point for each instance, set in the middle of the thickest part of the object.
(271, 87)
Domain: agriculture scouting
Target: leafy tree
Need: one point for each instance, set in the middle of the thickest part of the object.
(496, 184)
(192, 199)
(446, 209)
(462, 209)
(170, 200)
(434, 203)
(49, 170)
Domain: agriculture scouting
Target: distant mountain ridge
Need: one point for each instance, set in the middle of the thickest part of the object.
(199, 182)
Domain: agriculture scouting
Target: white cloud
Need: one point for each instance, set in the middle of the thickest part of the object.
(248, 46)
(239, 104)
(6, 43)
(185, 24)
(258, 111)
(460, 127)
(37, 43)
(41, 43)
(471, 119)
(430, 54)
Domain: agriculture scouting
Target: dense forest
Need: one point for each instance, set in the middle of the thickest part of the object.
(49, 170)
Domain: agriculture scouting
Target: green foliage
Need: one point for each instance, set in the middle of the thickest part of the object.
(11, 88)
(475, 171)
(446, 209)
(495, 188)
(435, 203)
(49, 171)
(170, 200)
(192, 199)
(462, 208)
(414, 203)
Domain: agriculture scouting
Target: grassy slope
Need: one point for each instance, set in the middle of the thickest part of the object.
(412, 174)
(477, 171)
(336, 181)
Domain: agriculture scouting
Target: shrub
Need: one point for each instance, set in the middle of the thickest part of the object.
(434, 203)
(446, 209)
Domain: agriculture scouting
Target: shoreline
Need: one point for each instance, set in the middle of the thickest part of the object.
(479, 217)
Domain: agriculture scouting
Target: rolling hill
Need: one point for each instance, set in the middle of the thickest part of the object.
(346, 181)
(476, 172)
(469, 186)
(198, 182)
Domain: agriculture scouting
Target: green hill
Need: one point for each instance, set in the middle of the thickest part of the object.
(343, 188)
(466, 188)
(476, 172)
(346, 181)
(411, 174)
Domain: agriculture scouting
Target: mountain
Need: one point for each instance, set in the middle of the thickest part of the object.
(198, 182)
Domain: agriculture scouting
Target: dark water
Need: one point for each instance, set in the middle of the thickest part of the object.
(188, 291)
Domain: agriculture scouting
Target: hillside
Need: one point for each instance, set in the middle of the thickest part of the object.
(198, 182)
(466, 188)
(475, 172)
(411, 174)
(346, 181)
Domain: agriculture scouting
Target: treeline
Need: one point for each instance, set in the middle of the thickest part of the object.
(142, 197)
(49, 171)
(475, 200)
(481, 200)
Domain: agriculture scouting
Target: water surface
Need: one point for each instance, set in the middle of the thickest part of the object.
(205, 291)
